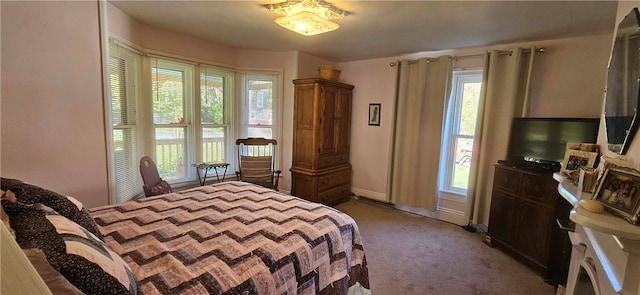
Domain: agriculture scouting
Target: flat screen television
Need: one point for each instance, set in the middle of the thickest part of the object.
(540, 143)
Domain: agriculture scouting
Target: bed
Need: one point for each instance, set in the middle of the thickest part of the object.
(227, 238)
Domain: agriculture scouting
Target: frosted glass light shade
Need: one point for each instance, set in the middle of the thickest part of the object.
(306, 23)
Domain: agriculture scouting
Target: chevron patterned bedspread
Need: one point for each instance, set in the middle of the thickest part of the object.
(236, 238)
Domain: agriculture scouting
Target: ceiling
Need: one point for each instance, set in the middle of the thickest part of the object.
(377, 29)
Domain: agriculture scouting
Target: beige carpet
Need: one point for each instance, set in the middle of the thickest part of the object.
(410, 254)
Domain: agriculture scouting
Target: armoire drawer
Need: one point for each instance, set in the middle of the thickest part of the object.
(326, 161)
(335, 194)
(333, 179)
(342, 158)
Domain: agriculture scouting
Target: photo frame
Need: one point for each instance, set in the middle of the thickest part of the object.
(619, 193)
(374, 114)
(573, 160)
(581, 146)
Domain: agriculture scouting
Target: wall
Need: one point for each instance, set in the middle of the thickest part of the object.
(168, 43)
(52, 125)
(562, 85)
(308, 65)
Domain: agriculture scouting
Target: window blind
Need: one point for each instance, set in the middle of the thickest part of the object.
(123, 66)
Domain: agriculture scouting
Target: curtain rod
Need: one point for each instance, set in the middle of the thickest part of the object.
(500, 52)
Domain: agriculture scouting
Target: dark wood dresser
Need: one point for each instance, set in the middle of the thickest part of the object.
(524, 208)
(320, 169)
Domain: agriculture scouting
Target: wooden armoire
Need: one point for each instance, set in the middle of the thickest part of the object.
(320, 169)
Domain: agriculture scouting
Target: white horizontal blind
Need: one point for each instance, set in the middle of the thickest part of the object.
(124, 67)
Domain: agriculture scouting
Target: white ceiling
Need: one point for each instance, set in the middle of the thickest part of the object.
(378, 29)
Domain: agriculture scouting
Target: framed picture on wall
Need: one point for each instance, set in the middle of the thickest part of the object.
(374, 114)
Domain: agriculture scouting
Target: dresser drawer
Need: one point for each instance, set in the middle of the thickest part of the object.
(506, 180)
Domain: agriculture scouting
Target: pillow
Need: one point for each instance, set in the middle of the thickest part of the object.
(161, 188)
(70, 250)
(66, 206)
(56, 283)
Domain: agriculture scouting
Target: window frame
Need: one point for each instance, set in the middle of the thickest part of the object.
(228, 118)
(275, 79)
(452, 127)
(189, 93)
(243, 114)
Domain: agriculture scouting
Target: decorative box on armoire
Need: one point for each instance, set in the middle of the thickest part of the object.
(320, 169)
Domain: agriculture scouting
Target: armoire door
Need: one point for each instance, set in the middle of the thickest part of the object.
(343, 121)
(327, 110)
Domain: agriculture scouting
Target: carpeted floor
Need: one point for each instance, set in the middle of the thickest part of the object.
(410, 254)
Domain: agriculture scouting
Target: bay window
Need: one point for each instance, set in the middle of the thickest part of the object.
(180, 113)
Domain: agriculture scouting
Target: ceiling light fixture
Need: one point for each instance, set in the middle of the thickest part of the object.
(307, 17)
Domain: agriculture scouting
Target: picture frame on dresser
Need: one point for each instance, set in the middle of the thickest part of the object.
(574, 159)
(619, 192)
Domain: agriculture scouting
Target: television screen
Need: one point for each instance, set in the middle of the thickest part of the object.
(545, 139)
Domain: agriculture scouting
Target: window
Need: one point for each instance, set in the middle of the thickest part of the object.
(260, 105)
(460, 130)
(171, 97)
(185, 116)
(124, 71)
(215, 121)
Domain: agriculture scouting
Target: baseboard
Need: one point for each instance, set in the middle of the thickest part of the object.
(385, 205)
(444, 214)
(369, 194)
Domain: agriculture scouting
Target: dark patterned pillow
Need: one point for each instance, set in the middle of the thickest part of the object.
(66, 206)
(161, 188)
(79, 256)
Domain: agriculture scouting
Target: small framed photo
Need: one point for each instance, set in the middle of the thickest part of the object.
(573, 160)
(618, 193)
(586, 147)
(374, 114)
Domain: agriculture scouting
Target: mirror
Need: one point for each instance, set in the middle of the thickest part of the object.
(621, 106)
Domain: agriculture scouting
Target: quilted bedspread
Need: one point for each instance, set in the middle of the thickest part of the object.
(236, 238)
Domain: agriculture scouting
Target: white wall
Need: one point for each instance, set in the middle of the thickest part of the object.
(52, 121)
(567, 81)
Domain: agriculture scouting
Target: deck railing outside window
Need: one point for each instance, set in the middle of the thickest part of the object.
(169, 155)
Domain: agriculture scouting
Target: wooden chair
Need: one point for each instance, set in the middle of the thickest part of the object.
(152, 183)
(256, 161)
